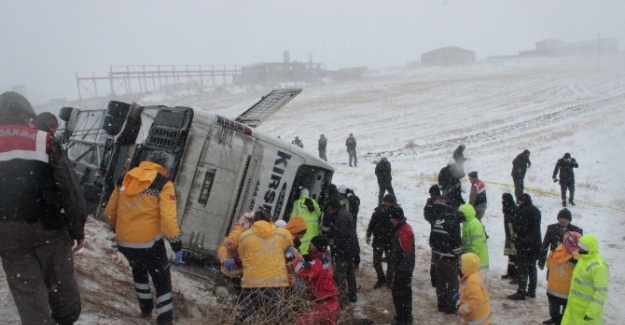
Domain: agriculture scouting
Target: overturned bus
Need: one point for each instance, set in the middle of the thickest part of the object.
(221, 168)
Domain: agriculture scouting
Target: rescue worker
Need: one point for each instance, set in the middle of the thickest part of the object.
(403, 259)
(308, 208)
(315, 269)
(473, 235)
(474, 301)
(477, 195)
(381, 228)
(323, 144)
(383, 173)
(435, 208)
(38, 181)
(589, 285)
(520, 164)
(509, 209)
(265, 274)
(350, 143)
(554, 234)
(446, 245)
(565, 166)
(560, 264)
(141, 211)
(344, 249)
(528, 243)
(298, 228)
(228, 251)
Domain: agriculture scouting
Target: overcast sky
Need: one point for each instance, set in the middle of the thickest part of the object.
(45, 44)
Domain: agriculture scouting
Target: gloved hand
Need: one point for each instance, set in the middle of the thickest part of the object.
(586, 318)
(555, 179)
(229, 264)
(178, 258)
(289, 253)
(455, 297)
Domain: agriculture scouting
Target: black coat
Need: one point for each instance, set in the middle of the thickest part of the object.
(434, 209)
(567, 175)
(381, 228)
(344, 235)
(403, 251)
(520, 165)
(383, 172)
(553, 238)
(527, 228)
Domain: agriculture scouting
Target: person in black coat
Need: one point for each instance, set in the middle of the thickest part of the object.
(554, 234)
(528, 243)
(509, 209)
(458, 156)
(434, 209)
(565, 167)
(520, 164)
(383, 173)
(381, 228)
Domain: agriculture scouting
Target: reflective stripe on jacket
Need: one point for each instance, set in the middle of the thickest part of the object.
(474, 236)
(311, 218)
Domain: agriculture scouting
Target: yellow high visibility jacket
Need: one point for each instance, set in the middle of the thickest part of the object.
(262, 249)
(311, 218)
(589, 286)
(474, 300)
(229, 249)
(560, 264)
(139, 212)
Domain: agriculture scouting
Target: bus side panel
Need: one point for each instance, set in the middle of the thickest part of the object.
(210, 206)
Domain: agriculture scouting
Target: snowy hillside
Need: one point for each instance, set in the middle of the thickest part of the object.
(417, 118)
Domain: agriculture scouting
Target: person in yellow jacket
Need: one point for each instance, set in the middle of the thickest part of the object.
(263, 250)
(589, 285)
(298, 228)
(474, 302)
(308, 208)
(228, 250)
(560, 264)
(141, 211)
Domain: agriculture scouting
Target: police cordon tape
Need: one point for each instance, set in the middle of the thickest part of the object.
(434, 178)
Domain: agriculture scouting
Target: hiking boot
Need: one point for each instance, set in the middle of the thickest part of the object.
(549, 321)
(572, 203)
(380, 284)
(517, 296)
(531, 294)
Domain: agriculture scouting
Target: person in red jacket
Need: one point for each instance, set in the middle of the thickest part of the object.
(315, 270)
(403, 259)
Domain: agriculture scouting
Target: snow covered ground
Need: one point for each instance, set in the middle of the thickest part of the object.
(417, 118)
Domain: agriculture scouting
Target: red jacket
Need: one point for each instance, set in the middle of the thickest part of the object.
(318, 275)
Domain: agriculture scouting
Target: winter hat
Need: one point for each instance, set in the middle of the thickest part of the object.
(434, 189)
(565, 213)
(342, 189)
(15, 109)
(389, 198)
(280, 223)
(296, 225)
(527, 152)
(473, 174)
(320, 242)
(332, 190)
(451, 162)
(567, 155)
(570, 240)
(397, 213)
(303, 192)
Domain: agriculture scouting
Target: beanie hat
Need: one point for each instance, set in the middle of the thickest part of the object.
(567, 155)
(473, 174)
(303, 192)
(389, 198)
(565, 213)
(296, 225)
(342, 189)
(527, 152)
(397, 213)
(320, 242)
(434, 189)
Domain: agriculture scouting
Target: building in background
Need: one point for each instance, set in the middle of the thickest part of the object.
(447, 56)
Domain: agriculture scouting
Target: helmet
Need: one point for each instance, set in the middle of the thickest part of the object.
(15, 108)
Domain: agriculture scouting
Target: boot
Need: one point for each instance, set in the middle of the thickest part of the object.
(517, 296)
(549, 322)
(506, 277)
(564, 204)
(381, 282)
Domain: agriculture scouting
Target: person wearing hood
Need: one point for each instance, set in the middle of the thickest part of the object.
(528, 243)
(265, 274)
(589, 285)
(38, 181)
(323, 144)
(141, 211)
(298, 228)
(315, 270)
(560, 265)
(308, 208)
(554, 234)
(228, 250)
(509, 209)
(381, 228)
(520, 164)
(385, 179)
(473, 234)
(403, 259)
(565, 166)
(473, 301)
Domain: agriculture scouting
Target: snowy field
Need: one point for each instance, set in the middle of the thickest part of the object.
(498, 109)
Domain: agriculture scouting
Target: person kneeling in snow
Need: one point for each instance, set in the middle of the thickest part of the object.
(473, 301)
(228, 254)
(315, 270)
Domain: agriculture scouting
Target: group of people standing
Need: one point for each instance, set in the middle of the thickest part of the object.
(350, 145)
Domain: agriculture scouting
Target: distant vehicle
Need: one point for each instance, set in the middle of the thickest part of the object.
(221, 168)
